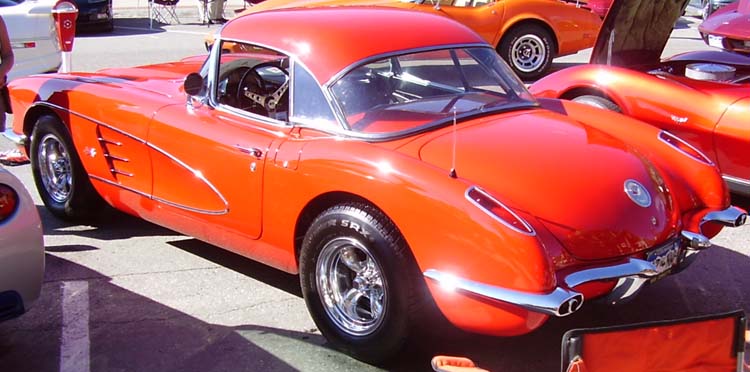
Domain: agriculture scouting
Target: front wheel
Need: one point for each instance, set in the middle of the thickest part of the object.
(58, 173)
(359, 281)
(528, 49)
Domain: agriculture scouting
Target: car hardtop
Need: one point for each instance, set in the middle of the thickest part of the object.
(327, 40)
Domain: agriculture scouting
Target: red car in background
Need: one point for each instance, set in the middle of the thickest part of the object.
(729, 27)
(702, 97)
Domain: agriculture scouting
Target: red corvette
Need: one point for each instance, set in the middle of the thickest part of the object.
(393, 175)
(729, 27)
(702, 97)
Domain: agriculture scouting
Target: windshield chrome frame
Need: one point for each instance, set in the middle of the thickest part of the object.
(339, 113)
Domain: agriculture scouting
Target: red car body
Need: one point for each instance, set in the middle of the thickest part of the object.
(702, 97)
(729, 27)
(408, 170)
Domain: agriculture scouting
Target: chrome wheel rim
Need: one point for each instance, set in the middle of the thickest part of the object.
(528, 53)
(351, 286)
(54, 168)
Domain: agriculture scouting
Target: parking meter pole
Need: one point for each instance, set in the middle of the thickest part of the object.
(65, 13)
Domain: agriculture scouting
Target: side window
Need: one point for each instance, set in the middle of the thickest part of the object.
(310, 105)
(254, 79)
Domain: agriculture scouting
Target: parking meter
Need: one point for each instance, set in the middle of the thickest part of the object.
(65, 13)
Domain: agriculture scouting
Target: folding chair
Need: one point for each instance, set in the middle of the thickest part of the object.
(162, 11)
(710, 343)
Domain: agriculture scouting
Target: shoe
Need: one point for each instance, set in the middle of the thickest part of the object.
(218, 21)
(13, 157)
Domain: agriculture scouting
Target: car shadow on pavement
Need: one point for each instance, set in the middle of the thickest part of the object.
(120, 330)
(286, 282)
(109, 225)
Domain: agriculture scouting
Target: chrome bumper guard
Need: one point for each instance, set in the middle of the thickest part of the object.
(731, 217)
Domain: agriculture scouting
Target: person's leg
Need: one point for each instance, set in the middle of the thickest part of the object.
(216, 10)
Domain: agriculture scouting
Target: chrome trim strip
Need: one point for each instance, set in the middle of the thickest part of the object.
(530, 232)
(117, 158)
(109, 142)
(95, 121)
(198, 174)
(633, 267)
(732, 217)
(190, 209)
(559, 302)
(738, 185)
(115, 171)
(155, 148)
(706, 159)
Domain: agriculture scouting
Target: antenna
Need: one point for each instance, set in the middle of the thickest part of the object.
(610, 45)
(453, 161)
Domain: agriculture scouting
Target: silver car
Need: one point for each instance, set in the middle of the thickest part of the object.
(21, 248)
(33, 36)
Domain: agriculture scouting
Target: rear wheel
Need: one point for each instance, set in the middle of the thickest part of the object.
(597, 101)
(528, 49)
(58, 173)
(359, 281)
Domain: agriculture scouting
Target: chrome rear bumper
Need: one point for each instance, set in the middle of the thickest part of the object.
(631, 275)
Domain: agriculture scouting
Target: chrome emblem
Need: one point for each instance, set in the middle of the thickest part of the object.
(637, 193)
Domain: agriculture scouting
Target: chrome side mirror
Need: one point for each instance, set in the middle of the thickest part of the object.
(193, 83)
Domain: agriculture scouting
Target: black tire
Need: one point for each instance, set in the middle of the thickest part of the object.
(59, 175)
(528, 49)
(362, 234)
(597, 101)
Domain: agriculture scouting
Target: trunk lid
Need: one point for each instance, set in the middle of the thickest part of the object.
(569, 176)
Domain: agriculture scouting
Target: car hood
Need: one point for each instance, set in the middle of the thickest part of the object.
(732, 20)
(634, 32)
(569, 176)
(165, 79)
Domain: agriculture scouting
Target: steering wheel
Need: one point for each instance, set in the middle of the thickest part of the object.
(265, 95)
(250, 82)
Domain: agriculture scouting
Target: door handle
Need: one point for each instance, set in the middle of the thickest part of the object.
(252, 151)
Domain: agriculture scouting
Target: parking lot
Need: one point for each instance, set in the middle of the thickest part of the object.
(125, 295)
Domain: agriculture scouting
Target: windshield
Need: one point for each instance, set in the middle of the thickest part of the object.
(414, 91)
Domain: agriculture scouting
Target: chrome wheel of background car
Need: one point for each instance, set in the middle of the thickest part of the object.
(360, 282)
(59, 175)
(528, 49)
(598, 101)
(54, 168)
(350, 284)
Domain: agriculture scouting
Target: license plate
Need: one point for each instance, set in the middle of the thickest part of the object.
(664, 257)
(716, 41)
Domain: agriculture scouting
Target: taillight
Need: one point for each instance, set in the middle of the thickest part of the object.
(8, 201)
(684, 147)
(498, 210)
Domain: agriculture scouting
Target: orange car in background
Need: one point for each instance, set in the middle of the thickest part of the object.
(528, 34)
